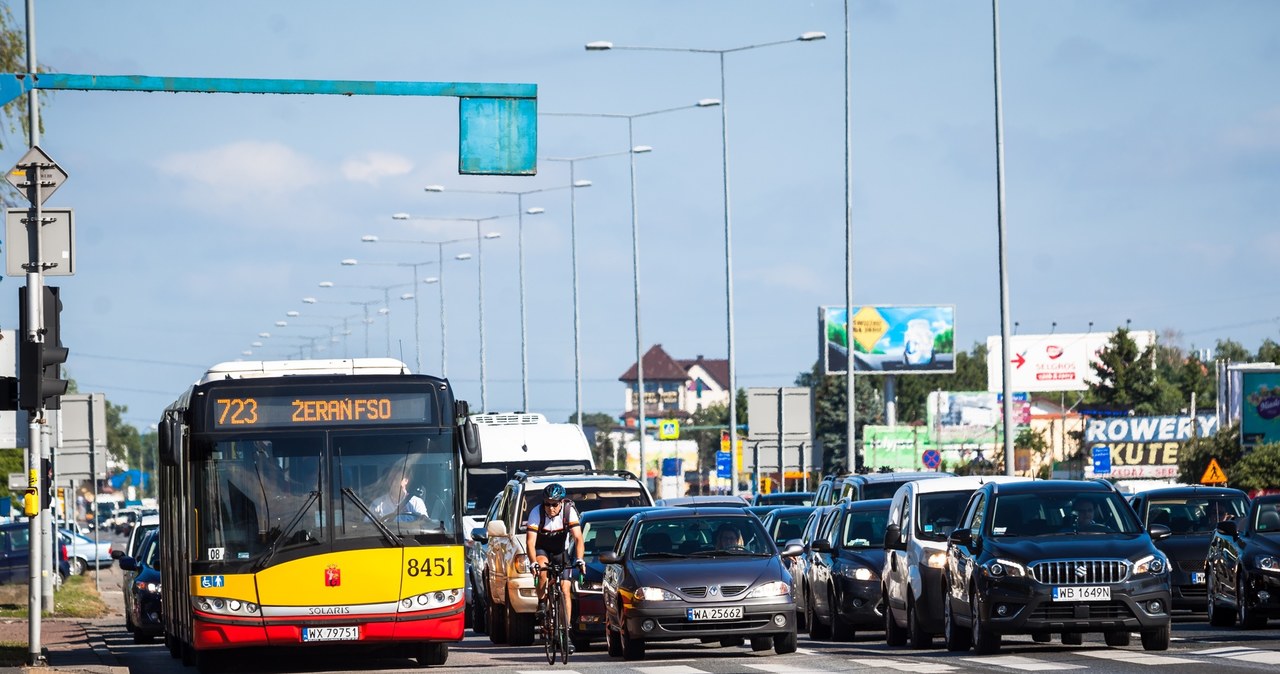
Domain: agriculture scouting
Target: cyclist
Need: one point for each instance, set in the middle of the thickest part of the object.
(549, 527)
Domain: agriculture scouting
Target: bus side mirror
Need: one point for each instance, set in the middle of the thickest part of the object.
(170, 440)
(467, 438)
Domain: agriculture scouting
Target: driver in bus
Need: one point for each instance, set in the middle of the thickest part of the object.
(400, 503)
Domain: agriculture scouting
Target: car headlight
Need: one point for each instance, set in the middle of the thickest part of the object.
(1154, 564)
(999, 568)
(585, 585)
(655, 594)
(153, 588)
(522, 565)
(775, 589)
(1268, 563)
(858, 573)
(936, 560)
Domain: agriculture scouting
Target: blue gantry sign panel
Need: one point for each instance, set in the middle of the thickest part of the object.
(497, 136)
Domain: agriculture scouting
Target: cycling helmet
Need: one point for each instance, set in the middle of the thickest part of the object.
(554, 492)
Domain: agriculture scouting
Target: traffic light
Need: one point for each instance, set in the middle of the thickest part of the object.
(40, 382)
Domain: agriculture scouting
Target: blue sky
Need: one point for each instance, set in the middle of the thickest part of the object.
(1142, 145)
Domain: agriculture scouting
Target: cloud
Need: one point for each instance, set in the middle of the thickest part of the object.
(250, 169)
(374, 166)
(1261, 133)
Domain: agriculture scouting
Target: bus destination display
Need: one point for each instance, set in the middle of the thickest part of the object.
(244, 411)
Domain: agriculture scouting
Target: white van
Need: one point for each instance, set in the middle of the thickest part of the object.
(921, 517)
(518, 441)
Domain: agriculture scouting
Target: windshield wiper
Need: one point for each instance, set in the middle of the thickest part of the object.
(312, 497)
(664, 555)
(378, 523)
(728, 553)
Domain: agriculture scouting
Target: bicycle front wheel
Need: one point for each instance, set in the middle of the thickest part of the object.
(550, 635)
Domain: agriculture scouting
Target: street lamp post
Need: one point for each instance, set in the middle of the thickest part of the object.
(444, 345)
(635, 246)
(386, 302)
(417, 336)
(602, 45)
(480, 239)
(520, 212)
(573, 245)
(364, 305)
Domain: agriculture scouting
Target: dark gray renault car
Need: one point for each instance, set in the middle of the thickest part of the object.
(697, 573)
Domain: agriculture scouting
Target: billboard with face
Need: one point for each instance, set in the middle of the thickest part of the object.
(888, 339)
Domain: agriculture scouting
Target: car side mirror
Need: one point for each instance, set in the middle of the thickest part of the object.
(479, 535)
(496, 528)
(1159, 532)
(820, 545)
(610, 557)
(794, 548)
(128, 564)
(961, 537)
(1228, 528)
(117, 554)
(893, 538)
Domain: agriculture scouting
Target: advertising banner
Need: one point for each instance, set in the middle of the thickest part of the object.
(1144, 447)
(888, 339)
(905, 447)
(1058, 362)
(961, 416)
(1259, 407)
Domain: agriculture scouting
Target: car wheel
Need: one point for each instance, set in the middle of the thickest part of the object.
(580, 645)
(139, 637)
(956, 638)
(433, 654)
(985, 642)
(613, 642)
(519, 625)
(497, 623)
(1072, 638)
(632, 649)
(731, 642)
(1247, 617)
(919, 638)
(77, 566)
(761, 644)
(1156, 639)
(1218, 616)
(1116, 639)
(817, 630)
(893, 635)
(785, 643)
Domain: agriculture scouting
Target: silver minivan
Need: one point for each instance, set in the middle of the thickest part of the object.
(922, 515)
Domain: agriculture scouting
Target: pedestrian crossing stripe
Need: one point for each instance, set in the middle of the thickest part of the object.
(1135, 657)
(1243, 654)
(1025, 664)
(915, 667)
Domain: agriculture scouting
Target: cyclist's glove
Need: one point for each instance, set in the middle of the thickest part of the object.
(581, 564)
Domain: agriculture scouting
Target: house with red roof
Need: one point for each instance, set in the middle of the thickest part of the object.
(674, 388)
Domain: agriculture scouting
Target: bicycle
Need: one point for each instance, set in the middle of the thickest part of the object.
(555, 625)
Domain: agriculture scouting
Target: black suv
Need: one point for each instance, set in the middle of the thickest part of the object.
(1050, 556)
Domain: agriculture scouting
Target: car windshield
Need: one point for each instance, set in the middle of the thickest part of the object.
(706, 536)
(787, 527)
(1267, 519)
(864, 528)
(600, 536)
(937, 513)
(1062, 513)
(875, 490)
(586, 499)
(1195, 514)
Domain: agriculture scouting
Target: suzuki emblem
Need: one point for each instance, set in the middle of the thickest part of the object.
(1082, 571)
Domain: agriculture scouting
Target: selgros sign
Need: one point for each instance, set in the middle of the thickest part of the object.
(1053, 362)
(1145, 447)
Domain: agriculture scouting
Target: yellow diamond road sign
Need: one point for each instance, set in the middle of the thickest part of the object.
(868, 327)
(669, 429)
(1214, 474)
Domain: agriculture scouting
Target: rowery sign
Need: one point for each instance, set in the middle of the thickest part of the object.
(1145, 447)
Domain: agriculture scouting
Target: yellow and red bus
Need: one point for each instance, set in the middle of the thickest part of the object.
(316, 503)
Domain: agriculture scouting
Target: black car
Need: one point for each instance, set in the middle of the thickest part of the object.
(142, 590)
(15, 555)
(870, 486)
(786, 523)
(1053, 556)
(1244, 567)
(1193, 514)
(843, 575)
(697, 573)
(799, 498)
(600, 529)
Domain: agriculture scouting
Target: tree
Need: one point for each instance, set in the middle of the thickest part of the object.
(1127, 377)
(13, 59)
(602, 447)
(1259, 469)
(1269, 351)
(1231, 351)
(830, 418)
(1194, 456)
(1033, 441)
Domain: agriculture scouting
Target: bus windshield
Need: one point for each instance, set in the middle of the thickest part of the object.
(267, 495)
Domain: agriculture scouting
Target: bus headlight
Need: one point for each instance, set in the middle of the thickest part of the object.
(223, 606)
(428, 601)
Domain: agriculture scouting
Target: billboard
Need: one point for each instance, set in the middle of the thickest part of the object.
(888, 339)
(1144, 447)
(959, 416)
(1053, 362)
(1259, 407)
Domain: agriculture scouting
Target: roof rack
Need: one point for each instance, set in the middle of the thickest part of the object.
(573, 470)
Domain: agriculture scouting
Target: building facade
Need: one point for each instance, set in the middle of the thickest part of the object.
(674, 388)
